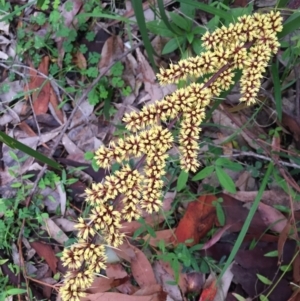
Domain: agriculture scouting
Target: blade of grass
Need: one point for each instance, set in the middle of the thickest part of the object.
(137, 6)
(208, 9)
(15, 144)
(277, 89)
(248, 220)
(16, 11)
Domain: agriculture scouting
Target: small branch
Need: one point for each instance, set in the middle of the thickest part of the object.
(252, 154)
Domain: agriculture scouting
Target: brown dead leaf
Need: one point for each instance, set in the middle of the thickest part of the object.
(140, 266)
(283, 236)
(117, 272)
(112, 49)
(296, 270)
(161, 296)
(79, 60)
(57, 113)
(164, 274)
(103, 284)
(166, 235)
(148, 77)
(41, 87)
(46, 252)
(198, 219)
(272, 217)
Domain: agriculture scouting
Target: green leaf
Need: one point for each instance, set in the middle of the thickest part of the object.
(226, 163)
(15, 291)
(189, 11)
(15, 144)
(88, 155)
(159, 28)
(172, 45)
(179, 21)
(238, 297)
(204, 173)
(16, 185)
(182, 179)
(207, 8)
(225, 180)
(272, 254)
(290, 25)
(13, 155)
(220, 214)
(197, 46)
(263, 279)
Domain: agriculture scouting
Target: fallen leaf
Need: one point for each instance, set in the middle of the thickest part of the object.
(198, 219)
(210, 289)
(39, 87)
(272, 217)
(117, 271)
(54, 231)
(46, 252)
(57, 113)
(103, 284)
(161, 296)
(166, 235)
(165, 274)
(140, 266)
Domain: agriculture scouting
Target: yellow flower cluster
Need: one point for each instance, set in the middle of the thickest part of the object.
(246, 45)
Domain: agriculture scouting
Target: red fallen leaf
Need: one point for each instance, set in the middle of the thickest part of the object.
(210, 291)
(41, 87)
(198, 219)
(46, 252)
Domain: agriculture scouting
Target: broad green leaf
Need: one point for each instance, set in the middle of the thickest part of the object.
(207, 8)
(220, 214)
(263, 298)
(204, 173)
(225, 180)
(226, 163)
(159, 28)
(263, 279)
(272, 254)
(290, 25)
(238, 297)
(172, 45)
(15, 291)
(182, 179)
(180, 21)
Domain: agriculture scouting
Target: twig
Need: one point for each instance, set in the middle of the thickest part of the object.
(252, 154)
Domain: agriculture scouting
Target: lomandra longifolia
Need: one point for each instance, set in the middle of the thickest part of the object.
(247, 45)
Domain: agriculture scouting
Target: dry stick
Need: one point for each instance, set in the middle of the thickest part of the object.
(255, 155)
